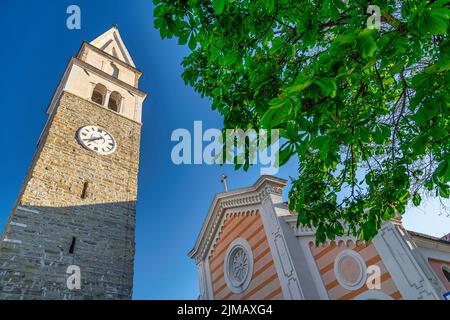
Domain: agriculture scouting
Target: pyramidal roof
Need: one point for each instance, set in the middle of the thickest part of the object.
(111, 42)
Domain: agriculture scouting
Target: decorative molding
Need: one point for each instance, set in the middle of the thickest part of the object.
(238, 266)
(65, 91)
(230, 213)
(284, 265)
(80, 63)
(103, 74)
(345, 283)
(396, 250)
(428, 243)
(316, 278)
(252, 196)
(113, 34)
(304, 231)
(201, 280)
(208, 281)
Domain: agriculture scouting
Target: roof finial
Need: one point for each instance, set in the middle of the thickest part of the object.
(223, 179)
(115, 26)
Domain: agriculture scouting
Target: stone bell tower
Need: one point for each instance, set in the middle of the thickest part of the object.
(70, 234)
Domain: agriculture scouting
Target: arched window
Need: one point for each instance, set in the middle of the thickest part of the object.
(99, 93)
(115, 70)
(446, 271)
(114, 101)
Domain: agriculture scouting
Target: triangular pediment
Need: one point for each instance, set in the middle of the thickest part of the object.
(239, 198)
(111, 42)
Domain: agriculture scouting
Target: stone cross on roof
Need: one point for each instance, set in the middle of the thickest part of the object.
(223, 179)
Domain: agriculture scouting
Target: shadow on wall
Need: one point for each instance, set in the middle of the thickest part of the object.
(40, 243)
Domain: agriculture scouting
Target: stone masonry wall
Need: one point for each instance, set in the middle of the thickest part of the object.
(50, 212)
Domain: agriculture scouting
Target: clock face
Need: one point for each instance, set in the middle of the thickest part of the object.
(96, 139)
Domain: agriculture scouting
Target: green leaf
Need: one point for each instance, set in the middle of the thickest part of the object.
(277, 44)
(363, 133)
(419, 145)
(270, 5)
(308, 69)
(388, 213)
(285, 154)
(433, 21)
(417, 199)
(275, 116)
(323, 143)
(328, 86)
(378, 136)
(325, 149)
(443, 171)
(320, 235)
(218, 6)
(438, 133)
(444, 191)
(300, 86)
(192, 42)
(366, 43)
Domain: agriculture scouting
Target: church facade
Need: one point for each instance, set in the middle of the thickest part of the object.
(250, 247)
(70, 234)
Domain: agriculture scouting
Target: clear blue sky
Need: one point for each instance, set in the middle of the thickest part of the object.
(173, 200)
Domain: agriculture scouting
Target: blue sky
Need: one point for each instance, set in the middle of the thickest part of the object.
(173, 200)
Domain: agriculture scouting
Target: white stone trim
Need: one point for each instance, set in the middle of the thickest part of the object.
(352, 286)
(107, 96)
(394, 249)
(240, 286)
(204, 278)
(435, 254)
(17, 224)
(122, 100)
(208, 281)
(201, 281)
(12, 240)
(315, 274)
(287, 274)
(20, 208)
(373, 295)
(113, 34)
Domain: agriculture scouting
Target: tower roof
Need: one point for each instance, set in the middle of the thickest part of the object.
(111, 42)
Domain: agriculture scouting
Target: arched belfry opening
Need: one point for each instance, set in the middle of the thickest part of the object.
(99, 94)
(114, 102)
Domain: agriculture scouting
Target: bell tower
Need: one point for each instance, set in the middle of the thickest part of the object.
(70, 234)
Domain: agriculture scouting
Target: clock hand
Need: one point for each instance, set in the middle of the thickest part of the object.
(94, 139)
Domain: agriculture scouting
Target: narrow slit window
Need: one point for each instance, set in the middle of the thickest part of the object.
(115, 70)
(85, 190)
(72, 245)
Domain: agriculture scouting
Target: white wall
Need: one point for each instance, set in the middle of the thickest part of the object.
(81, 82)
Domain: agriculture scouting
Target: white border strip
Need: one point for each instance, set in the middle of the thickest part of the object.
(17, 224)
(12, 241)
(26, 209)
